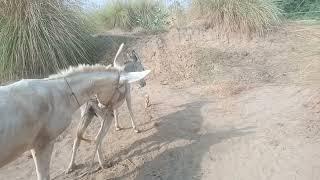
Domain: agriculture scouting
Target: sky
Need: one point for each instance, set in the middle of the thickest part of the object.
(93, 4)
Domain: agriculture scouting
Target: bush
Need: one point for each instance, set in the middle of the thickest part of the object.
(126, 15)
(178, 14)
(234, 16)
(300, 9)
(38, 37)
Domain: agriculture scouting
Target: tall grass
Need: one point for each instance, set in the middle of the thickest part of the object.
(38, 37)
(127, 15)
(178, 14)
(300, 9)
(234, 16)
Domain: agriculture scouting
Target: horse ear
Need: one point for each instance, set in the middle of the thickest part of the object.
(134, 56)
(131, 77)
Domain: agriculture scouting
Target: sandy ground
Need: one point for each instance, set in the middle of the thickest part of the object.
(256, 127)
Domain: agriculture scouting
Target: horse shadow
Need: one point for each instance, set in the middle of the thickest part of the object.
(163, 158)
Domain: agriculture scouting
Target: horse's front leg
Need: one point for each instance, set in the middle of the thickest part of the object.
(106, 116)
(116, 116)
(42, 156)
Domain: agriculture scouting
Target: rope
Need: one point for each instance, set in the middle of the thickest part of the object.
(72, 93)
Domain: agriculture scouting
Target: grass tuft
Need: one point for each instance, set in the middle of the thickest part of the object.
(300, 9)
(38, 37)
(246, 17)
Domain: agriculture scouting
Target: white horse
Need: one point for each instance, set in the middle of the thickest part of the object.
(133, 64)
(89, 110)
(35, 111)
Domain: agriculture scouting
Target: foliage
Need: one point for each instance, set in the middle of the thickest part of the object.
(178, 13)
(38, 37)
(147, 14)
(300, 9)
(244, 17)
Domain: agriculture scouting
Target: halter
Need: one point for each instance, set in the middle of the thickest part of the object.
(72, 93)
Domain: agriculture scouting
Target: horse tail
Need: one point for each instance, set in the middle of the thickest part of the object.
(119, 51)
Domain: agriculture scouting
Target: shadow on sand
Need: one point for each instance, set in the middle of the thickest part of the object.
(172, 163)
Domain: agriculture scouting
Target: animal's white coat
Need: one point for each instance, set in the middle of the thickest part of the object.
(92, 108)
(33, 112)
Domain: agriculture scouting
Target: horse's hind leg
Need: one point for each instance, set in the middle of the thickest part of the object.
(128, 100)
(85, 121)
(42, 156)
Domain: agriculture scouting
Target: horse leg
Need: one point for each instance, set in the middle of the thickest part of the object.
(85, 121)
(99, 151)
(100, 155)
(106, 119)
(116, 116)
(129, 105)
(42, 156)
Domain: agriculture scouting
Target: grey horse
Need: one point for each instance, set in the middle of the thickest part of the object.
(90, 109)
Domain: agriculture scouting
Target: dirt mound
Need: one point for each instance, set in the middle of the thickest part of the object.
(289, 55)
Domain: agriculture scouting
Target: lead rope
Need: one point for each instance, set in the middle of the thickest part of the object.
(72, 93)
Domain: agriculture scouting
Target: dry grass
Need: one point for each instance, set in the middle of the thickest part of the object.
(38, 37)
(127, 15)
(245, 17)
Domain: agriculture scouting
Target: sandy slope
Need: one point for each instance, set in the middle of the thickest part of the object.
(256, 127)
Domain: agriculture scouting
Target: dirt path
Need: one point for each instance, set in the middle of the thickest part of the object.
(268, 132)
(256, 115)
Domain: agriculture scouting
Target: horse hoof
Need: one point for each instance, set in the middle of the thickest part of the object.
(69, 170)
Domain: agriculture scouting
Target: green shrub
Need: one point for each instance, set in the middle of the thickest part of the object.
(235, 16)
(126, 15)
(38, 37)
(300, 9)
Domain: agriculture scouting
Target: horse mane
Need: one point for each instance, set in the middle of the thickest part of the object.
(81, 68)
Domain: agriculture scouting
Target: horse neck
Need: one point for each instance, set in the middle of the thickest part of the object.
(83, 87)
(129, 67)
